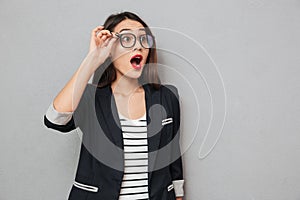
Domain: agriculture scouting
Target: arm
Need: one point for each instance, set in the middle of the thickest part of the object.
(68, 98)
(59, 113)
(176, 165)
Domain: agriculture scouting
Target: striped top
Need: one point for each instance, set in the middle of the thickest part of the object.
(135, 180)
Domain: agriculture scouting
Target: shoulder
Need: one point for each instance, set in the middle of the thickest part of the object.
(169, 90)
(170, 97)
(92, 89)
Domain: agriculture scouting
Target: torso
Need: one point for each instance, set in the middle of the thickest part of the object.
(132, 113)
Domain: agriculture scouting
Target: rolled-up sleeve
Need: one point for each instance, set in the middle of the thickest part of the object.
(60, 121)
(68, 121)
(59, 118)
(178, 187)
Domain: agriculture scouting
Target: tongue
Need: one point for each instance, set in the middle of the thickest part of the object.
(135, 65)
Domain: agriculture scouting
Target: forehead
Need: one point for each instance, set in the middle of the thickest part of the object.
(128, 24)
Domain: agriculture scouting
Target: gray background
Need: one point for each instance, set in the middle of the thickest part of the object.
(252, 47)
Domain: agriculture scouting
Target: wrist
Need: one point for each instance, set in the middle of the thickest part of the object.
(93, 61)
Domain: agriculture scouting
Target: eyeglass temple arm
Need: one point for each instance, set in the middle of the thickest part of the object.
(115, 34)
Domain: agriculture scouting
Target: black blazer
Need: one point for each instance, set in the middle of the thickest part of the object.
(100, 167)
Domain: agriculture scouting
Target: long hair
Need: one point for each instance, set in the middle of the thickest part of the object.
(149, 73)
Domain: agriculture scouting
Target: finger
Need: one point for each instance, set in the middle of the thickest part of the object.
(105, 43)
(111, 42)
(100, 35)
(104, 37)
(105, 32)
(105, 40)
(97, 29)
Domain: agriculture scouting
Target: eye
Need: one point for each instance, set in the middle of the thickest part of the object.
(127, 38)
(146, 40)
(143, 38)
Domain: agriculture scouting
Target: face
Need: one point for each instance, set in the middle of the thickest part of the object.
(130, 61)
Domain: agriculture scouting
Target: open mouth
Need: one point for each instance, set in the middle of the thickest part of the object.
(136, 61)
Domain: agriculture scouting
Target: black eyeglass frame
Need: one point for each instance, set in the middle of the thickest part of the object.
(119, 35)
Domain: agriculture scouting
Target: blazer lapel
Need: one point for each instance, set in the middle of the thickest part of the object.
(154, 117)
(110, 116)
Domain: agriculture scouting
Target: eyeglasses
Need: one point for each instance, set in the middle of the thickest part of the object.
(128, 40)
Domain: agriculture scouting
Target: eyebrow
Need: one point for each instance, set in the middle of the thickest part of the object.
(126, 29)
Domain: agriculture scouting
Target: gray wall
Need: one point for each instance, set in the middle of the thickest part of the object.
(235, 63)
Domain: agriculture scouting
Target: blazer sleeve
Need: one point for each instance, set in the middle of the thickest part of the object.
(65, 121)
(60, 121)
(176, 165)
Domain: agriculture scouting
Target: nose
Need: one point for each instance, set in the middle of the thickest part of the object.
(137, 46)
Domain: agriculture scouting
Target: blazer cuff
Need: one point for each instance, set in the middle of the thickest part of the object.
(178, 187)
(59, 118)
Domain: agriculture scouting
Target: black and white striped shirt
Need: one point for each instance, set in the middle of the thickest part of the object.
(135, 180)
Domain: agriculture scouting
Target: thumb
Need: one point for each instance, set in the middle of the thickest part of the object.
(111, 42)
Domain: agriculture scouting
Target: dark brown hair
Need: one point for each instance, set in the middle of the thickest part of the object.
(149, 74)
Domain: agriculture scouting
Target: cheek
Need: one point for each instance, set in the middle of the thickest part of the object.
(120, 57)
(118, 53)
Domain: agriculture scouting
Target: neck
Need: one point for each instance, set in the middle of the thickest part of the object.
(125, 85)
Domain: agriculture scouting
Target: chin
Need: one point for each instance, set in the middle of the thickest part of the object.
(133, 74)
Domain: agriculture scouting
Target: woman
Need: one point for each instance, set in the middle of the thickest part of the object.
(130, 146)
